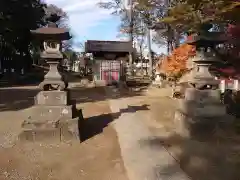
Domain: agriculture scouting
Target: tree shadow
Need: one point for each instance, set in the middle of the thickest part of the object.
(94, 94)
(95, 125)
(14, 99)
(17, 98)
(208, 160)
(20, 81)
(211, 151)
(32, 78)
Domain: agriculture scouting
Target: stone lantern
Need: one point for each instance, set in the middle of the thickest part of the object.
(201, 78)
(53, 116)
(201, 109)
(159, 78)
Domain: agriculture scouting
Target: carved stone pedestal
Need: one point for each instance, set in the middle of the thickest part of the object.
(200, 112)
(53, 118)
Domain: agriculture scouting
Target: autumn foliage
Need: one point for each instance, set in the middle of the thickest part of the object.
(177, 61)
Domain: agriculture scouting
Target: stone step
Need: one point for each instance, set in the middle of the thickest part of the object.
(65, 131)
(4, 82)
(48, 135)
(38, 124)
(51, 113)
(196, 109)
(203, 96)
(52, 98)
(41, 135)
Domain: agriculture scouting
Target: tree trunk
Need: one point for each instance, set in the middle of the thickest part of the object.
(141, 58)
(177, 38)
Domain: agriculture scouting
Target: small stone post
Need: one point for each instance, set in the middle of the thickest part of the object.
(235, 84)
(222, 86)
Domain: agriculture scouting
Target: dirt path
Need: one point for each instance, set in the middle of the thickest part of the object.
(212, 157)
(97, 158)
(142, 160)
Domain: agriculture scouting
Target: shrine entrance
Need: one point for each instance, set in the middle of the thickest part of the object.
(110, 71)
(109, 59)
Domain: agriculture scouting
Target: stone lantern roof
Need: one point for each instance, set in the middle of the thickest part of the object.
(207, 39)
(51, 32)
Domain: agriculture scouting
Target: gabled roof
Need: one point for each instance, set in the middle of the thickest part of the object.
(108, 46)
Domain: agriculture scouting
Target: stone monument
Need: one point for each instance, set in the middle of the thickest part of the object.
(158, 80)
(53, 115)
(201, 110)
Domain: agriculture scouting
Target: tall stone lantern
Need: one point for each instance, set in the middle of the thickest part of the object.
(53, 115)
(201, 109)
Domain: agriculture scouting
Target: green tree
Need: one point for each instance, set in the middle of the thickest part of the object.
(189, 15)
(118, 9)
(17, 18)
(149, 12)
(62, 22)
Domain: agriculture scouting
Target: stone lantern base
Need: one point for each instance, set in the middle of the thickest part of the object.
(53, 117)
(200, 112)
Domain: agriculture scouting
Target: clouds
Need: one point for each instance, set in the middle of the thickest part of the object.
(88, 21)
(83, 14)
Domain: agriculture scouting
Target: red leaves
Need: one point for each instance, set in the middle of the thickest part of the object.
(233, 35)
(233, 31)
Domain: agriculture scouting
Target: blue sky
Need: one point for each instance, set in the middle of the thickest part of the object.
(89, 22)
(103, 30)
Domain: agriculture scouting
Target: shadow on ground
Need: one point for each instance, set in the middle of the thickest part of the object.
(95, 125)
(14, 99)
(84, 95)
(214, 158)
(207, 154)
(34, 77)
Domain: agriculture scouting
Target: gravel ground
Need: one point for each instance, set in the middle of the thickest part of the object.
(141, 123)
(97, 158)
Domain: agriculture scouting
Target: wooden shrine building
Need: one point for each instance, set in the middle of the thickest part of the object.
(109, 59)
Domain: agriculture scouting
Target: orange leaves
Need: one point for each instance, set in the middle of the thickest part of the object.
(177, 61)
